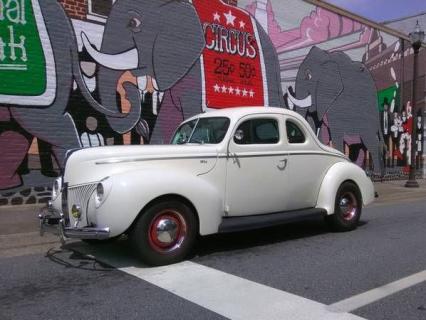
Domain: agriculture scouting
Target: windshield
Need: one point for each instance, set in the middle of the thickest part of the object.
(202, 130)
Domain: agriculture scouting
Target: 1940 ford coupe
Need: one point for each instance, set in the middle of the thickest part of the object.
(224, 171)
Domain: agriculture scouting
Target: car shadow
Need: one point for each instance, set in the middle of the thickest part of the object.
(120, 254)
(302, 229)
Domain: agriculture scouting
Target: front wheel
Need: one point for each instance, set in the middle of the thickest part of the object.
(165, 233)
(347, 208)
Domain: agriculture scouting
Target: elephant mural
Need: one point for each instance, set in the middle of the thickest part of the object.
(338, 94)
(160, 43)
(51, 54)
(47, 120)
(147, 46)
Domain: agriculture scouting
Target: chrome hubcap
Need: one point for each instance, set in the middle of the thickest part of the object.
(348, 206)
(167, 231)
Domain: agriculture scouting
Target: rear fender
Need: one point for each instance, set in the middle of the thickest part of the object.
(335, 176)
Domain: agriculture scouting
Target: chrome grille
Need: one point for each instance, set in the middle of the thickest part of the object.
(64, 202)
(80, 195)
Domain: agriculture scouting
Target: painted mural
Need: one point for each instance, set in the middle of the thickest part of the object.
(104, 72)
(346, 78)
(71, 83)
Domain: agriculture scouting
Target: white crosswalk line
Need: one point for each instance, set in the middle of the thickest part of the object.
(232, 296)
(225, 294)
(379, 293)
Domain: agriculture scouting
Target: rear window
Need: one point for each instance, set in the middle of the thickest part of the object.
(294, 133)
(257, 131)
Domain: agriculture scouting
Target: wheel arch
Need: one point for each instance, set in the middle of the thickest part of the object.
(167, 197)
(338, 174)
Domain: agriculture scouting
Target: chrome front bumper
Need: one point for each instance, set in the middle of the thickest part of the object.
(54, 221)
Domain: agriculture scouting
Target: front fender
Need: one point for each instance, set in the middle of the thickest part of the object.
(132, 191)
(335, 176)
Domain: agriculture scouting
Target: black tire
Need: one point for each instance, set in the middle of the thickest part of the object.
(347, 208)
(180, 229)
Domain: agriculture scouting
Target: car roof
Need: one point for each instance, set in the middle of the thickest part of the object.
(238, 112)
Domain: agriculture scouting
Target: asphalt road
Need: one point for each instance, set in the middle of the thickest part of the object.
(231, 276)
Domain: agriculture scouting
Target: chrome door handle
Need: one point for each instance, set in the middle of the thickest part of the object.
(282, 164)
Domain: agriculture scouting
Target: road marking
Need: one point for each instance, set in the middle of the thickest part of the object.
(225, 294)
(376, 294)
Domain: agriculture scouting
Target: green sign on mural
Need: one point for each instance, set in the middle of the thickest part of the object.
(22, 62)
(386, 96)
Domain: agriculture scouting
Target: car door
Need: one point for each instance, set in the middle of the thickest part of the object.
(307, 165)
(256, 174)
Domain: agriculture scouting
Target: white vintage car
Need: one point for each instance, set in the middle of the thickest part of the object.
(224, 171)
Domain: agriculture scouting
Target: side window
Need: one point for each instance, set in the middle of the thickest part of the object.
(257, 131)
(183, 134)
(294, 133)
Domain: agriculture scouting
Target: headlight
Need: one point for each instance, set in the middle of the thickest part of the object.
(102, 190)
(56, 189)
(76, 211)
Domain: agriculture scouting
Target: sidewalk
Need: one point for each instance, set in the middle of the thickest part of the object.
(19, 229)
(19, 232)
(395, 191)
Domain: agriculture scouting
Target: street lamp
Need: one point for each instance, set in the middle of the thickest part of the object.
(416, 38)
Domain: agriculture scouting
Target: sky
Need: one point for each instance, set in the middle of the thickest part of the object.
(382, 10)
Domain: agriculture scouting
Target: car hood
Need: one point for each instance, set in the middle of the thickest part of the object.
(94, 164)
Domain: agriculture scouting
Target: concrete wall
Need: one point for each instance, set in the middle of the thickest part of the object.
(58, 93)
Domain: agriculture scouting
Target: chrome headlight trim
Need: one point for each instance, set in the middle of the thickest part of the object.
(56, 188)
(102, 191)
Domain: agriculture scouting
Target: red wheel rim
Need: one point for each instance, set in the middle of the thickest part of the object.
(348, 206)
(167, 231)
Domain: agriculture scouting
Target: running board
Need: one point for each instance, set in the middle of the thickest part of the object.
(233, 224)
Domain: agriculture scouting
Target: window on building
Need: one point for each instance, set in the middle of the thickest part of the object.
(257, 131)
(294, 133)
(100, 8)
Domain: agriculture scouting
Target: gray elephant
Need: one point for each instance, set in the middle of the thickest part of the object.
(22, 117)
(160, 42)
(340, 94)
(50, 123)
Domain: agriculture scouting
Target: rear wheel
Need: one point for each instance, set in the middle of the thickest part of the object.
(165, 233)
(347, 208)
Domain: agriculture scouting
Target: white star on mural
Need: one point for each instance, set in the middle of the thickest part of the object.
(231, 90)
(238, 91)
(230, 18)
(216, 17)
(251, 93)
(245, 93)
(242, 24)
(224, 89)
(216, 88)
